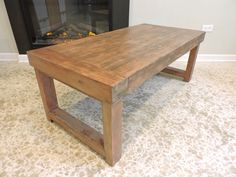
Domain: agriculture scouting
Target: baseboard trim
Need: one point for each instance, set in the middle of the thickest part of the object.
(9, 56)
(23, 58)
(200, 58)
(211, 58)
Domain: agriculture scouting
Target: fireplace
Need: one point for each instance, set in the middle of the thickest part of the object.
(39, 23)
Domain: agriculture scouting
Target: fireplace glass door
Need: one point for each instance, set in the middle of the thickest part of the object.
(56, 21)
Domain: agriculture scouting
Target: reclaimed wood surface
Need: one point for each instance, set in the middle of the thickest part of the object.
(106, 67)
(85, 133)
(112, 124)
(47, 91)
(115, 60)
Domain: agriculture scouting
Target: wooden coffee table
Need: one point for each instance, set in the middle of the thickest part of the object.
(106, 67)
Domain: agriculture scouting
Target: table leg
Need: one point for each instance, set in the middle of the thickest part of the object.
(47, 91)
(191, 63)
(108, 144)
(112, 124)
(185, 74)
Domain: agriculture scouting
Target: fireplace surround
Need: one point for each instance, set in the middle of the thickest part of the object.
(39, 23)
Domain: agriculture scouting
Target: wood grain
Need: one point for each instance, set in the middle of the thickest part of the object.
(85, 133)
(174, 71)
(191, 63)
(184, 74)
(47, 91)
(112, 124)
(106, 67)
(114, 59)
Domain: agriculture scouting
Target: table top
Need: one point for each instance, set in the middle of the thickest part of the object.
(114, 56)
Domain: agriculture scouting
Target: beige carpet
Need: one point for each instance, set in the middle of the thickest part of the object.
(170, 128)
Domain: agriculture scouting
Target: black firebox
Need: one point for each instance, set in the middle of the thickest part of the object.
(39, 23)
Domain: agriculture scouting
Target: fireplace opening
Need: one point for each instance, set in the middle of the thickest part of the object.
(39, 23)
(56, 21)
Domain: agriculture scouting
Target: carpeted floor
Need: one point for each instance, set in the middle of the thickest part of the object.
(170, 128)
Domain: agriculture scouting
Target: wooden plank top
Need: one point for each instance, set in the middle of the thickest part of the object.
(113, 57)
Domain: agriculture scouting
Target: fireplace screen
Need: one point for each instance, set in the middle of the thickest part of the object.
(56, 21)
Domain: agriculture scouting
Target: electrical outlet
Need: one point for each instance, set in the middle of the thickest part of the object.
(207, 28)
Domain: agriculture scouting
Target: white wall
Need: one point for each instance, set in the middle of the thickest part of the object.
(7, 41)
(192, 14)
